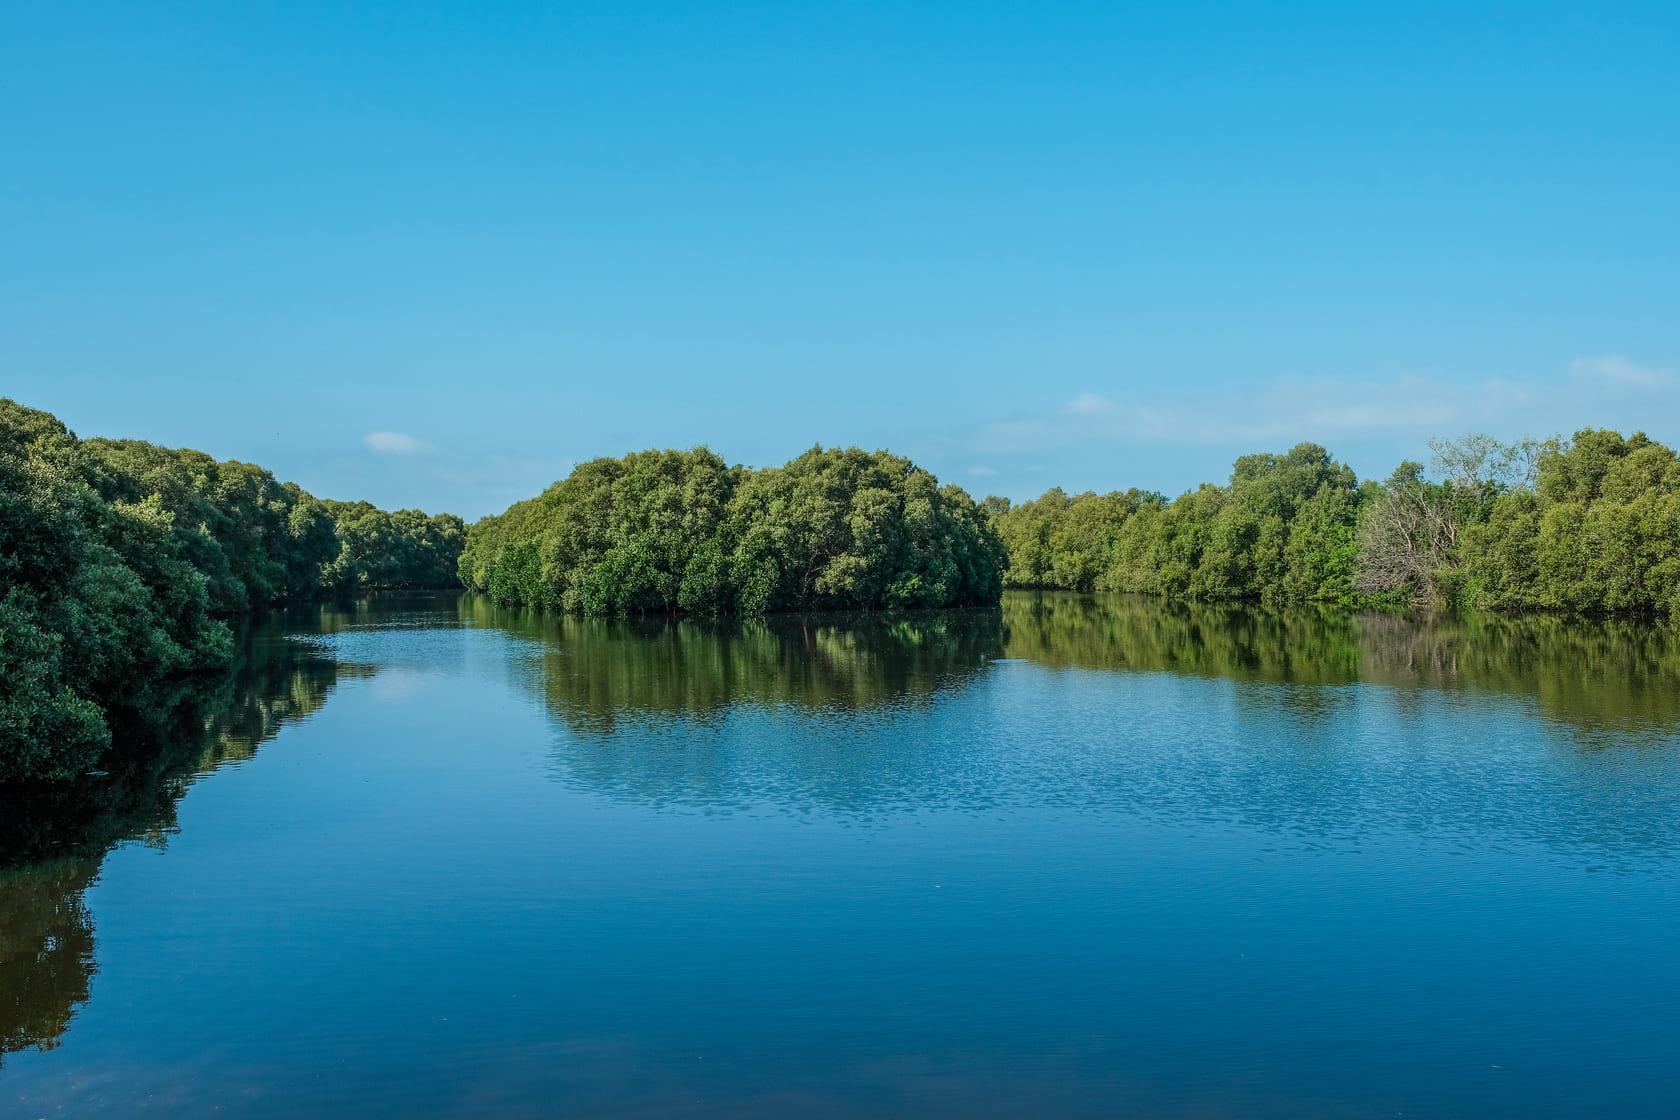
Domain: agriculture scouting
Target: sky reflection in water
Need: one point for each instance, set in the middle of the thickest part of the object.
(1083, 856)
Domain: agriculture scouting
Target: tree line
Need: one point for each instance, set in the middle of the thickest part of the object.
(122, 563)
(1588, 525)
(683, 532)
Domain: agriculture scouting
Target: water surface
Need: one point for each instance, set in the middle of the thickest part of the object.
(1086, 856)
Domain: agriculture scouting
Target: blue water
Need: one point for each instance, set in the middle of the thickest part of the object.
(833, 876)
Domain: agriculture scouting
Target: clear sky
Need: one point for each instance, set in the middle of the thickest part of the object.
(431, 256)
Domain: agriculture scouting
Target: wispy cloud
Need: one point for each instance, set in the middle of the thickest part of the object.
(1281, 410)
(1149, 423)
(1274, 411)
(396, 443)
(1089, 404)
(1617, 370)
(982, 471)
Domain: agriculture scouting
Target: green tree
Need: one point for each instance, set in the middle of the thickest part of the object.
(404, 548)
(1282, 530)
(99, 604)
(680, 531)
(120, 561)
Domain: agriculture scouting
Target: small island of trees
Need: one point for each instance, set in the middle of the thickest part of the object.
(680, 531)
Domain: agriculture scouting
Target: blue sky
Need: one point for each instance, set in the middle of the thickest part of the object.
(432, 256)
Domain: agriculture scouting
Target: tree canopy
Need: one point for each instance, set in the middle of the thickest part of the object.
(682, 531)
(121, 562)
(1282, 529)
(384, 549)
(1588, 525)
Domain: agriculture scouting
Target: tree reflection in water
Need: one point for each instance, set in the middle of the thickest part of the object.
(597, 673)
(1611, 675)
(54, 838)
(860, 714)
(848, 682)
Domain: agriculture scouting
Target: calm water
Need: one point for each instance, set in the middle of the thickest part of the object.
(1086, 857)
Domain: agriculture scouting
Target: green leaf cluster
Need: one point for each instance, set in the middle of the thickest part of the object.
(683, 532)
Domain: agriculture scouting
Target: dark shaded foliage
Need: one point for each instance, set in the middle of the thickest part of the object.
(121, 562)
(259, 542)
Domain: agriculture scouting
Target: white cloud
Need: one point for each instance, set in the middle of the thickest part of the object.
(1369, 419)
(396, 443)
(1276, 412)
(982, 471)
(1617, 370)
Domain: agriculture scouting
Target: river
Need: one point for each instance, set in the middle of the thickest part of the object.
(1083, 856)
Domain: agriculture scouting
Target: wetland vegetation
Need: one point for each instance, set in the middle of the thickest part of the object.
(127, 563)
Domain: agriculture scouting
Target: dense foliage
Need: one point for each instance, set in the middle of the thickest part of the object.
(257, 541)
(681, 531)
(99, 602)
(120, 562)
(1284, 529)
(382, 549)
(1596, 530)
(1588, 525)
